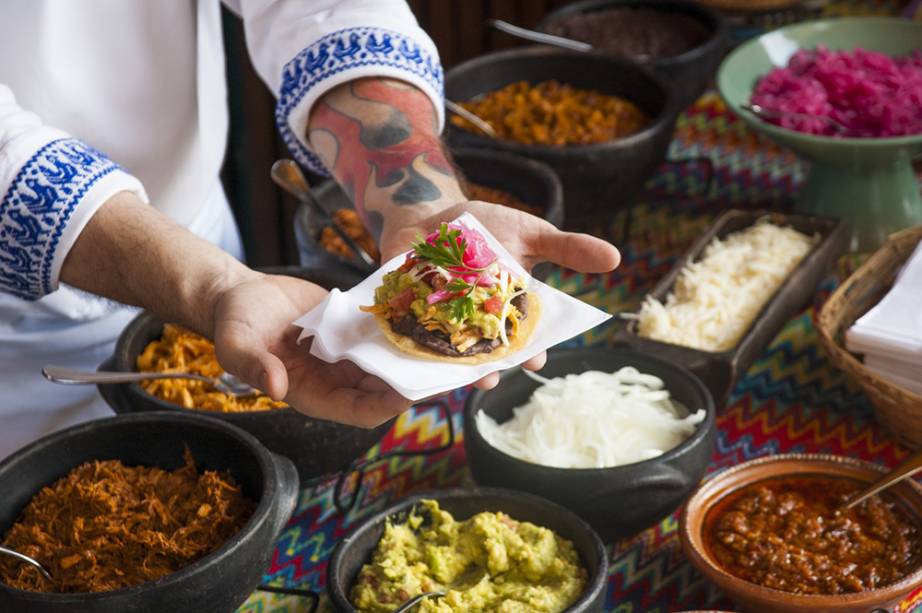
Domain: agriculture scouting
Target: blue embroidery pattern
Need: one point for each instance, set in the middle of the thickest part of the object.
(36, 208)
(343, 50)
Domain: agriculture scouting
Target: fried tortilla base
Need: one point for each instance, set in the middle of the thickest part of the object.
(411, 347)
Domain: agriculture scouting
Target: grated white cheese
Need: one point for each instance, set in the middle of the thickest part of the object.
(592, 420)
(716, 299)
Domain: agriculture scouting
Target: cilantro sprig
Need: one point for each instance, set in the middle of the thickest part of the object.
(462, 308)
(448, 252)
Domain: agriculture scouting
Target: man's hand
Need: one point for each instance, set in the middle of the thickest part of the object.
(255, 340)
(134, 254)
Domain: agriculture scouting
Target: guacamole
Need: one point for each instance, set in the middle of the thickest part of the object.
(396, 282)
(503, 565)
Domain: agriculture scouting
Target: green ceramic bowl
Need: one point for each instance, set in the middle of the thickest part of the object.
(869, 181)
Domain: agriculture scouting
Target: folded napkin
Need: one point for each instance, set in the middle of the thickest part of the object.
(893, 327)
(341, 331)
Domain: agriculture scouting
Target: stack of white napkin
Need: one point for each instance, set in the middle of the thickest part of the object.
(890, 334)
(342, 332)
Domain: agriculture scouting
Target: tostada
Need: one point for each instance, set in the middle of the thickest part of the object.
(453, 300)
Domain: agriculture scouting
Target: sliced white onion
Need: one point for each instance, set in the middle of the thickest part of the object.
(593, 420)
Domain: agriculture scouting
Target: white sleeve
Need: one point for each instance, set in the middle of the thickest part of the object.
(304, 48)
(50, 185)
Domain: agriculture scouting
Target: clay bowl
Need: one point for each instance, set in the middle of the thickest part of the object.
(753, 598)
(316, 446)
(598, 179)
(216, 583)
(690, 72)
(355, 550)
(654, 488)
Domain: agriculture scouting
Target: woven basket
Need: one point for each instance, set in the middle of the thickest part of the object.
(898, 410)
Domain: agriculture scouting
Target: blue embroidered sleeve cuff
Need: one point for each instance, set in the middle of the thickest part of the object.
(37, 213)
(343, 56)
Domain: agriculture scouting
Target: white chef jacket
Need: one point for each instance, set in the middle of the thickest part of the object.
(100, 96)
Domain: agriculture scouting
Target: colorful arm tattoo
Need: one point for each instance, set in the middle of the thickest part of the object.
(379, 138)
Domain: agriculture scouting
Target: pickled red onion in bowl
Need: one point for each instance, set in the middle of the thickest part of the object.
(871, 93)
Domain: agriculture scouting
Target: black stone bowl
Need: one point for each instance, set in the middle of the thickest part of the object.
(355, 550)
(316, 446)
(689, 73)
(618, 501)
(528, 180)
(597, 179)
(217, 583)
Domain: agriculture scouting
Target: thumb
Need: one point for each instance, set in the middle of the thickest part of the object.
(242, 353)
(580, 252)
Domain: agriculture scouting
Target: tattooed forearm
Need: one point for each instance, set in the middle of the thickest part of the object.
(379, 139)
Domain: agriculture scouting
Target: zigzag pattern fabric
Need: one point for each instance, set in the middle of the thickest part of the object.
(791, 400)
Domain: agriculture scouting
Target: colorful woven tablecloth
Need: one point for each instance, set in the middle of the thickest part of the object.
(791, 400)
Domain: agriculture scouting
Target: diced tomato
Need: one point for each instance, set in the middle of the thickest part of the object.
(493, 304)
(409, 263)
(401, 302)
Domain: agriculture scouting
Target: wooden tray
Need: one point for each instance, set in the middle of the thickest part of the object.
(720, 370)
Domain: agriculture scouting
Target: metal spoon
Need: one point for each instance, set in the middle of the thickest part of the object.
(28, 560)
(289, 177)
(464, 581)
(762, 113)
(459, 110)
(227, 383)
(538, 37)
(903, 471)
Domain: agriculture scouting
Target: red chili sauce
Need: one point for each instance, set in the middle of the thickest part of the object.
(788, 534)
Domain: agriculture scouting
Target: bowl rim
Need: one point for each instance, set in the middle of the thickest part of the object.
(473, 434)
(715, 487)
(595, 585)
(261, 514)
(542, 171)
(705, 15)
(538, 54)
(722, 77)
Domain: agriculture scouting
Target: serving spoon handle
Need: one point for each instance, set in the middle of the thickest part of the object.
(903, 471)
(412, 602)
(24, 558)
(763, 113)
(459, 110)
(538, 37)
(287, 175)
(70, 376)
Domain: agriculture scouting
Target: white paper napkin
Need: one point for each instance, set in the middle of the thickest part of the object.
(342, 331)
(893, 327)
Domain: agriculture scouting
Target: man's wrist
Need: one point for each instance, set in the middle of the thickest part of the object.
(224, 281)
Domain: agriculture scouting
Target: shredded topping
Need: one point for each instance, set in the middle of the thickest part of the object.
(180, 350)
(106, 526)
(592, 420)
(458, 287)
(716, 299)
